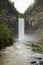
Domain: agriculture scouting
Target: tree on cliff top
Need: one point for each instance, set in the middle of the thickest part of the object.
(32, 6)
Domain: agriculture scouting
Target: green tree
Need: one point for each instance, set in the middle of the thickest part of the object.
(5, 34)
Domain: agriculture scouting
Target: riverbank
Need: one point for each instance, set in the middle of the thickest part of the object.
(37, 46)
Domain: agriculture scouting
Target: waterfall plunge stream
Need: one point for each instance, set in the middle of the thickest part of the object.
(21, 28)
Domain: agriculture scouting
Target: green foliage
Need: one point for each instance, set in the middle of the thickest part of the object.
(32, 6)
(36, 1)
(40, 32)
(14, 10)
(10, 5)
(5, 34)
(39, 47)
(20, 15)
(29, 9)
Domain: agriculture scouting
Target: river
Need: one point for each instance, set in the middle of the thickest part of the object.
(18, 54)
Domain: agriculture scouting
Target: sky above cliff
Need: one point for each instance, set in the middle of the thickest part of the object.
(21, 5)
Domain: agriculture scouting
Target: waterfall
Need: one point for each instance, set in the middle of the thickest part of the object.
(20, 28)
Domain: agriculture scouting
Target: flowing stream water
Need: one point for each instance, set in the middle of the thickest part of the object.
(18, 54)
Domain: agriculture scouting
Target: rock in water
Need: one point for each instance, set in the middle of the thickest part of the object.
(33, 62)
(41, 62)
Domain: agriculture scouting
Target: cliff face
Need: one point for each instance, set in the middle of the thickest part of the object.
(8, 15)
(35, 18)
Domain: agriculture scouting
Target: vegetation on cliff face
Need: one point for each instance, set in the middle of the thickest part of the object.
(14, 10)
(29, 9)
(32, 6)
(9, 6)
(5, 35)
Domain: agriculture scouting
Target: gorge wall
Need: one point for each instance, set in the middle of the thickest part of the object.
(8, 14)
(34, 17)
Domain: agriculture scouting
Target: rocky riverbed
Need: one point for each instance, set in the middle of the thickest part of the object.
(20, 54)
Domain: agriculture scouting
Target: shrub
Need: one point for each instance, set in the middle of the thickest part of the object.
(5, 34)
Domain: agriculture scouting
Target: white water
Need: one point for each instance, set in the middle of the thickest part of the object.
(21, 28)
